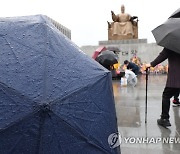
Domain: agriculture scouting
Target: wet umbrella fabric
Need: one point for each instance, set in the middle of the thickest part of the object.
(98, 51)
(107, 58)
(48, 104)
(168, 34)
(176, 14)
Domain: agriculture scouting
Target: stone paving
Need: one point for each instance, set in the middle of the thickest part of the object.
(136, 136)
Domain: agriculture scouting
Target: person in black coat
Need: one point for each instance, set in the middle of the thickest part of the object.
(172, 84)
(132, 66)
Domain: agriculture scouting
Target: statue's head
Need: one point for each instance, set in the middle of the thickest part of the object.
(122, 8)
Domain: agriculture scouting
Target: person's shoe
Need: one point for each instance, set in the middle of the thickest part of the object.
(176, 103)
(164, 122)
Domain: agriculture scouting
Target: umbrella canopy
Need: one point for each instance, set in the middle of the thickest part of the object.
(98, 51)
(168, 34)
(53, 97)
(107, 58)
(176, 14)
(114, 49)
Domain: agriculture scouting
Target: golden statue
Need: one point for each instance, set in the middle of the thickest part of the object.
(123, 26)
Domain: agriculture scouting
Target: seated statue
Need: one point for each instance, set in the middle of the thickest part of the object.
(123, 27)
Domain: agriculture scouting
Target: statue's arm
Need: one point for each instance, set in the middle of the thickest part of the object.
(114, 17)
(109, 25)
(133, 18)
(133, 21)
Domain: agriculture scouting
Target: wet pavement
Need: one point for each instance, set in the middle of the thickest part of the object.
(136, 136)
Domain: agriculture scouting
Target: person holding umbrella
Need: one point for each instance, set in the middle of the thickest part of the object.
(167, 35)
(172, 84)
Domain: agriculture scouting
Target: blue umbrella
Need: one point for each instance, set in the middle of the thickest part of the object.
(53, 97)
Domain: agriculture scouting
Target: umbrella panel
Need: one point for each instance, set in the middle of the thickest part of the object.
(106, 60)
(32, 135)
(176, 14)
(168, 34)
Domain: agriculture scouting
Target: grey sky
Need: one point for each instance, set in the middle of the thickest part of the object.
(87, 19)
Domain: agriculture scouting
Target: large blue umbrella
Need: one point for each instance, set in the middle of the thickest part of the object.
(53, 97)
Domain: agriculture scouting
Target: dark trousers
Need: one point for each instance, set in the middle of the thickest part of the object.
(167, 94)
(176, 96)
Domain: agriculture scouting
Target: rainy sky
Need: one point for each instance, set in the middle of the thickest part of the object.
(87, 19)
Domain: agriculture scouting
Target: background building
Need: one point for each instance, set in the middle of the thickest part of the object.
(63, 29)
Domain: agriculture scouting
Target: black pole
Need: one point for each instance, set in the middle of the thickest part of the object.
(146, 95)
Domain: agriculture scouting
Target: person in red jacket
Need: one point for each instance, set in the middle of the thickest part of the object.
(172, 84)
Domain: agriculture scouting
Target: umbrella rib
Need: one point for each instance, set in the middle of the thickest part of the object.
(80, 117)
(85, 110)
(69, 62)
(18, 42)
(42, 120)
(75, 91)
(14, 145)
(94, 77)
(83, 136)
(45, 68)
(5, 88)
(55, 129)
(12, 50)
(19, 120)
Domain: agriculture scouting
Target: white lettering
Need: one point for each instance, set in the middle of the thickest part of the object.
(152, 140)
(145, 140)
(177, 140)
(132, 140)
(158, 140)
(139, 140)
(126, 139)
(165, 140)
(171, 140)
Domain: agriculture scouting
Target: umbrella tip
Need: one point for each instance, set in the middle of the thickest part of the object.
(45, 107)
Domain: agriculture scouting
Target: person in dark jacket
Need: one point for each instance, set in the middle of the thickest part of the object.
(132, 66)
(172, 83)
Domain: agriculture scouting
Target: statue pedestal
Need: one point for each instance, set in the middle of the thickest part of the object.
(119, 37)
(119, 42)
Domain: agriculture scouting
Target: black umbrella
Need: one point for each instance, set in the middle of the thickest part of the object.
(168, 34)
(107, 58)
(176, 14)
(113, 48)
